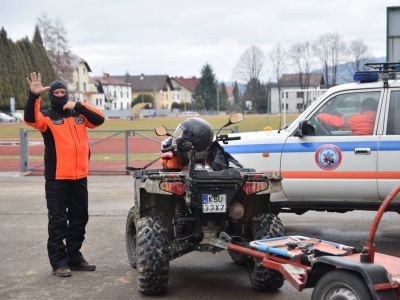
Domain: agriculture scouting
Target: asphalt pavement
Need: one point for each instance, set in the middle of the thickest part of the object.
(25, 272)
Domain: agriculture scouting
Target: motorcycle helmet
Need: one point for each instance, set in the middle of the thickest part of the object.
(193, 132)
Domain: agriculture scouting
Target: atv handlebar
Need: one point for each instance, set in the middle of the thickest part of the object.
(171, 148)
(224, 138)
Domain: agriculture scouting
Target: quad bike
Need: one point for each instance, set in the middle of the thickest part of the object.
(180, 210)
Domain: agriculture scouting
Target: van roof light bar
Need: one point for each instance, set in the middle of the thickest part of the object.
(387, 69)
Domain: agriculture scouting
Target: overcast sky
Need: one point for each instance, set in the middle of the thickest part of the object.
(178, 37)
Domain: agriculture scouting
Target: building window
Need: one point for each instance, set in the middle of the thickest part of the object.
(84, 70)
(287, 106)
(115, 105)
(299, 105)
(115, 93)
(173, 96)
(127, 105)
(84, 87)
(122, 96)
(283, 95)
(167, 96)
(162, 96)
(287, 94)
(177, 96)
(122, 105)
(299, 94)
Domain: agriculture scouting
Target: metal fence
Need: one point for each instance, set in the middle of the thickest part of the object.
(111, 151)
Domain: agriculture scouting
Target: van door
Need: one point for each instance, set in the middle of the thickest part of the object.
(389, 148)
(334, 163)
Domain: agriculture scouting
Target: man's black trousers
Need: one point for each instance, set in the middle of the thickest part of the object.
(67, 203)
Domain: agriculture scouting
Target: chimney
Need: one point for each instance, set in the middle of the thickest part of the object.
(106, 75)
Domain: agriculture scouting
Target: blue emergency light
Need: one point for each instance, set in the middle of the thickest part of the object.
(366, 77)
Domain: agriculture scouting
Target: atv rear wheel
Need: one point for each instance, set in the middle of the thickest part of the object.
(130, 237)
(265, 226)
(152, 256)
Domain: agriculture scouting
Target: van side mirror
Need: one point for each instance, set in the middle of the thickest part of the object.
(303, 128)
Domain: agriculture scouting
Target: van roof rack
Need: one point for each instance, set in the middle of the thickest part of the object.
(387, 69)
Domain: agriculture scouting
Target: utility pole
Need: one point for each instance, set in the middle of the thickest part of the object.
(141, 78)
(217, 100)
(154, 93)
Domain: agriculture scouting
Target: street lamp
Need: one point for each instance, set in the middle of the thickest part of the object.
(154, 93)
(141, 78)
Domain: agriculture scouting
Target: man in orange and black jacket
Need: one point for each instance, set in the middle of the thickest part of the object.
(63, 127)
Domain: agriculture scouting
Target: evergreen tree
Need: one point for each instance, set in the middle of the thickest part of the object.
(236, 93)
(223, 97)
(37, 38)
(256, 92)
(17, 61)
(207, 87)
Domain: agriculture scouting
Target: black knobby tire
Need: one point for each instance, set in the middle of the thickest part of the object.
(341, 284)
(265, 226)
(130, 238)
(152, 256)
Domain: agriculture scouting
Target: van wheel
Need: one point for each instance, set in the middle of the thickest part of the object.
(265, 226)
(152, 256)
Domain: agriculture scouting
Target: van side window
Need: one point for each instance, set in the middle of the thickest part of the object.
(393, 125)
(347, 114)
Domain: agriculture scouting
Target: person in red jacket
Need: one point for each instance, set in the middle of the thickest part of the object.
(66, 158)
(359, 124)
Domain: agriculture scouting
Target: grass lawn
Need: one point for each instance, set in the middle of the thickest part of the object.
(250, 123)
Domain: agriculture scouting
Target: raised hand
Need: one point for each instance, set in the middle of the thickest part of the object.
(36, 84)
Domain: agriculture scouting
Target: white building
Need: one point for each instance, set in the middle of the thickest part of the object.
(291, 94)
(83, 88)
(118, 94)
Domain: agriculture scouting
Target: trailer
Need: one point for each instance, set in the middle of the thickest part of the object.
(335, 271)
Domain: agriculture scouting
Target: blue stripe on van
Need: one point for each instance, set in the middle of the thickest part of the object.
(311, 147)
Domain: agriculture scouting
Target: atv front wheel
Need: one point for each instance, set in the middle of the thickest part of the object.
(265, 226)
(130, 237)
(152, 256)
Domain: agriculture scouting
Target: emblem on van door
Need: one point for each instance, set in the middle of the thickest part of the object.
(328, 157)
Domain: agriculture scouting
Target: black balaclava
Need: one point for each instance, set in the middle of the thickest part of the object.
(57, 103)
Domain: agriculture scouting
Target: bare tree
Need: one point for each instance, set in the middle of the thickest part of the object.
(338, 49)
(321, 49)
(57, 48)
(330, 49)
(277, 61)
(357, 55)
(301, 56)
(250, 65)
(45, 26)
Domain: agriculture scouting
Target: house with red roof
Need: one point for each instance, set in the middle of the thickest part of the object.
(183, 89)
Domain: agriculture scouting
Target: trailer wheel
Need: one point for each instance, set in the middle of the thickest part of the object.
(265, 226)
(130, 237)
(343, 285)
(152, 256)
